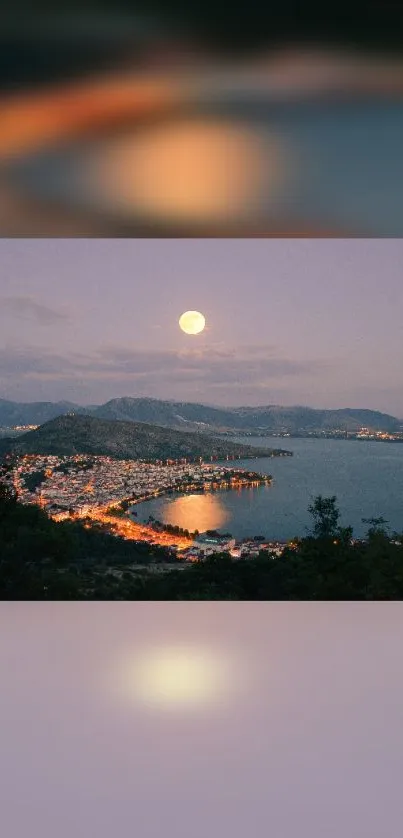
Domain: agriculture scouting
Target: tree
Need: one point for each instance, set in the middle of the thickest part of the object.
(326, 517)
(8, 498)
(377, 527)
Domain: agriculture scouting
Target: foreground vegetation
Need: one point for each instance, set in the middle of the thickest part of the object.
(44, 560)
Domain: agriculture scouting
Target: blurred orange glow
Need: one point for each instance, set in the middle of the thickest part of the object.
(222, 165)
(196, 170)
(30, 121)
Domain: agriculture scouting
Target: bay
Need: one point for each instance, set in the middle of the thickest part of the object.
(366, 477)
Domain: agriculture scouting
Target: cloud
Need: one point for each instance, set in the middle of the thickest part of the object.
(28, 308)
(207, 368)
(214, 375)
(36, 361)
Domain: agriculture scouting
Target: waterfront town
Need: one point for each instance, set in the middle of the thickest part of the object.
(103, 490)
(362, 433)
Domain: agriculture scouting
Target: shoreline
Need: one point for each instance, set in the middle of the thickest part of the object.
(195, 489)
(266, 480)
(320, 436)
(124, 524)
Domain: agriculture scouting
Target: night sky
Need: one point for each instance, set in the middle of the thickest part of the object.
(304, 739)
(307, 322)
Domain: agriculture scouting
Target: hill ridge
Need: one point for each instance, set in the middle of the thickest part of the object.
(68, 435)
(195, 416)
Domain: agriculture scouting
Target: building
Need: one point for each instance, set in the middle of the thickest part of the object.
(208, 544)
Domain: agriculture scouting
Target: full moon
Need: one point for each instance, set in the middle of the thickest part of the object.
(192, 322)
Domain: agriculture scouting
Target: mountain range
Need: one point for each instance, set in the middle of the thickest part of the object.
(188, 416)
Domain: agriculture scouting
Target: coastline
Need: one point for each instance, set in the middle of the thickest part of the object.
(226, 486)
(122, 522)
(216, 486)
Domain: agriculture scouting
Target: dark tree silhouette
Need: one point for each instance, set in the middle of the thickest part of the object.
(42, 559)
(325, 515)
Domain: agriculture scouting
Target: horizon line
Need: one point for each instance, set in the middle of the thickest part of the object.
(202, 404)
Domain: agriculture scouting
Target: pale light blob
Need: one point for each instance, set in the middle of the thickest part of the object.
(178, 677)
(192, 322)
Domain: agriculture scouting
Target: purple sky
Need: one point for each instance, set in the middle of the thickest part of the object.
(313, 748)
(315, 322)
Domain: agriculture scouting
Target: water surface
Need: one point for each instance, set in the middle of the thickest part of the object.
(366, 477)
